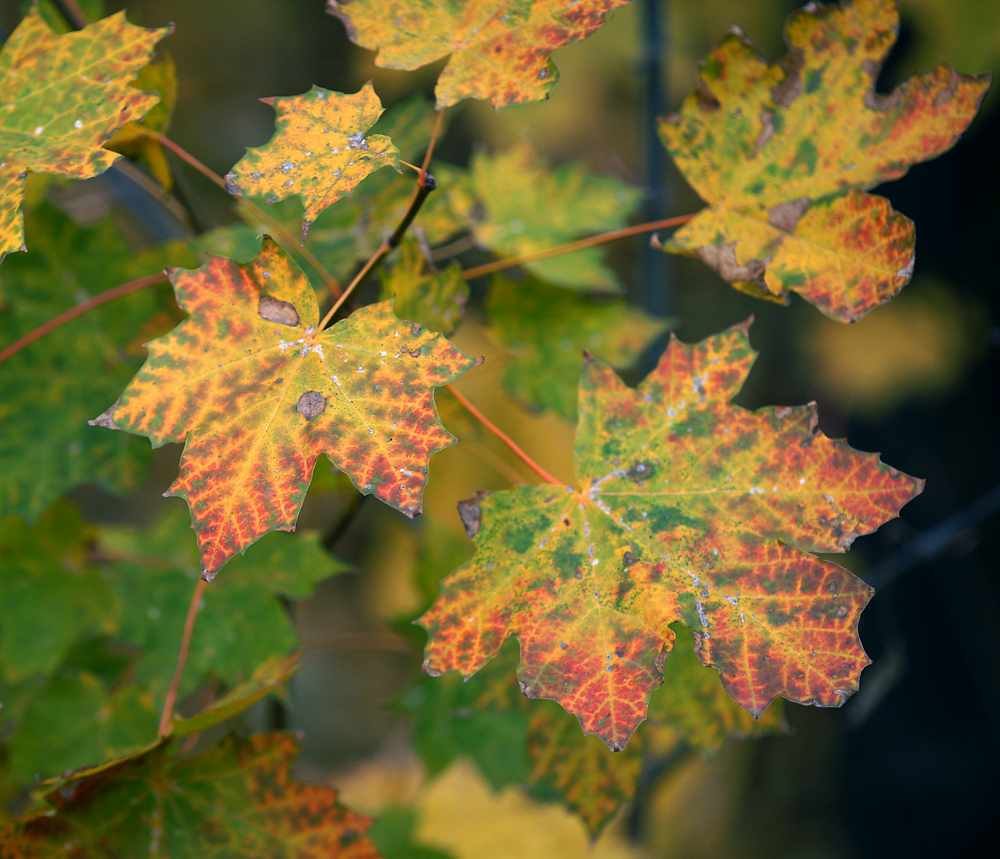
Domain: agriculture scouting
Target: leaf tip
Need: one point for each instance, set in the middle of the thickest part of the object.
(107, 418)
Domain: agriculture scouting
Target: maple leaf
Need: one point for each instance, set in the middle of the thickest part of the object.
(239, 625)
(687, 509)
(238, 799)
(781, 153)
(500, 51)
(61, 98)
(50, 599)
(547, 329)
(319, 152)
(258, 393)
(514, 203)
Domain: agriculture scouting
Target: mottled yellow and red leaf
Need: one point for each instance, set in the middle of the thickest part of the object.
(688, 509)
(61, 98)
(258, 394)
(500, 49)
(238, 799)
(782, 153)
(319, 152)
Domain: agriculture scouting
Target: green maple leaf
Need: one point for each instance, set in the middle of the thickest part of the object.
(435, 299)
(514, 204)
(241, 622)
(548, 329)
(319, 151)
(52, 386)
(258, 394)
(687, 509)
(238, 799)
(499, 50)
(61, 98)
(50, 597)
(783, 154)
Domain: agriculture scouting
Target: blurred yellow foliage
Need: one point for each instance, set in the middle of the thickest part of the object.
(918, 345)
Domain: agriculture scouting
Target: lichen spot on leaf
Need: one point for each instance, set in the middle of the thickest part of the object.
(311, 403)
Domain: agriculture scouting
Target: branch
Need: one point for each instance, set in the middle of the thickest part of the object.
(614, 235)
(933, 541)
(80, 309)
(168, 705)
(506, 439)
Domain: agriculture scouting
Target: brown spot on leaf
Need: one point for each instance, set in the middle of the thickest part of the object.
(273, 310)
(415, 329)
(470, 513)
(791, 87)
(723, 259)
(785, 216)
(628, 559)
(766, 128)
(311, 403)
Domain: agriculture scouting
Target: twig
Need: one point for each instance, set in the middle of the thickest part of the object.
(933, 541)
(638, 229)
(80, 309)
(425, 184)
(506, 439)
(72, 13)
(168, 705)
(276, 228)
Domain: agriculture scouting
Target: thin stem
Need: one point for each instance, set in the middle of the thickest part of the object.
(168, 705)
(425, 184)
(72, 13)
(80, 309)
(506, 439)
(434, 137)
(500, 264)
(274, 226)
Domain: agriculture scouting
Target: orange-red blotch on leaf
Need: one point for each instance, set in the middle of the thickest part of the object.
(499, 49)
(319, 151)
(257, 394)
(688, 509)
(783, 155)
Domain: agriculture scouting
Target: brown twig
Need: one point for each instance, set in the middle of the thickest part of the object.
(168, 704)
(638, 229)
(506, 439)
(80, 309)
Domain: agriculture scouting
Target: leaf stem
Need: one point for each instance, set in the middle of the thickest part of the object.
(545, 253)
(425, 184)
(506, 439)
(276, 228)
(80, 309)
(72, 13)
(168, 704)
